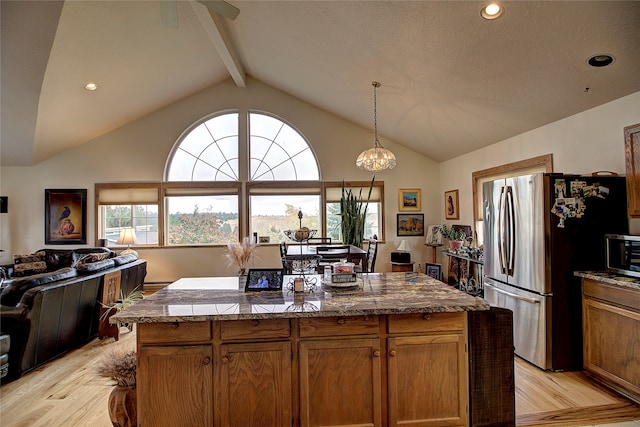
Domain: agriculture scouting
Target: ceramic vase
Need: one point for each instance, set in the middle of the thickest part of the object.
(123, 406)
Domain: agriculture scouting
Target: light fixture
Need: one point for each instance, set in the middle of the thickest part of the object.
(403, 246)
(127, 237)
(601, 60)
(377, 158)
(91, 87)
(491, 11)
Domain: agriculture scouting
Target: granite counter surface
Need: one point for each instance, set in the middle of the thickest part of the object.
(611, 278)
(223, 298)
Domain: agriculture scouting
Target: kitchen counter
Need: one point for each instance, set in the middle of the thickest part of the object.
(611, 278)
(395, 349)
(223, 298)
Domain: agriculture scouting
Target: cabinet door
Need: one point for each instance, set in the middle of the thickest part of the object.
(340, 383)
(182, 375)
(255, 385)
(632, 162)
(428, 380)
(611, 345)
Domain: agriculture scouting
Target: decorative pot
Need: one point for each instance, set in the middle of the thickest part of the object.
(123, 406)
(455, 245)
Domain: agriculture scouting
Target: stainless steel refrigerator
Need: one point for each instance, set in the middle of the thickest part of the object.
(538, 230)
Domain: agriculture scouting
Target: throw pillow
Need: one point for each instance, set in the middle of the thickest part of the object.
(93, 257)
(28, 264)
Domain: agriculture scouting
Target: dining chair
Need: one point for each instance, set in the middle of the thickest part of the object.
(319, 241)
(370, 260)
(331, 254)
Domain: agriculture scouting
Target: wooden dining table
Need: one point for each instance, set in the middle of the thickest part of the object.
(303, 251)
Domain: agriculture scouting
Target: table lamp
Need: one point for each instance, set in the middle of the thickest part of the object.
(127, 237)
(404, 247)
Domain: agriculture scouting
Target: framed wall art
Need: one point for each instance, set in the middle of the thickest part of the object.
(409, 199)
(65, 217)
(410, 225)
(451, 205)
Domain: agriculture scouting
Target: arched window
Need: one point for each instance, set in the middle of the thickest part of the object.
(212, 153)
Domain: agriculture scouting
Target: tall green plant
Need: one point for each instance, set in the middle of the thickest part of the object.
(353, 212)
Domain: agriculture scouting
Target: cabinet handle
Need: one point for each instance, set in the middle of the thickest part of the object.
(206, 360)
(225, 359)
(376, 353)
(175, 325)
(426, 316)
(392, 353)
(255, 322)
(341, 321)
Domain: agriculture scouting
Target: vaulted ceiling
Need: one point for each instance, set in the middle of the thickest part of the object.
(452, 82)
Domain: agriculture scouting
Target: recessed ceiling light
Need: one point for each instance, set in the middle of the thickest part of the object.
(91, 86)
(491, 11)
(601, 60)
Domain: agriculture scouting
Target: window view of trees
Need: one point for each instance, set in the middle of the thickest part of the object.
(142, 218)
(202, 227)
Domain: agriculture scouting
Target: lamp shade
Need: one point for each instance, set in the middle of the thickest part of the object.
(127, 236)
(403, 246)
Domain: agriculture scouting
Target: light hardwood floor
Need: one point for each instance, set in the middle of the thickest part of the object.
(67, 392)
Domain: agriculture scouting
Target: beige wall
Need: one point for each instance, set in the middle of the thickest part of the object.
(138, 152)
(581, 144)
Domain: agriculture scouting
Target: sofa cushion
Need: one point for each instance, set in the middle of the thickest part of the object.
(124, 259)
(14, 288)
(81, 252)
(91, 258)
(91, 267)
(58, 258)
(28, 264)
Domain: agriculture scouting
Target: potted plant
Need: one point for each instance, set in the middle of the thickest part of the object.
(120, 366)
(353, 215)
(455, 236)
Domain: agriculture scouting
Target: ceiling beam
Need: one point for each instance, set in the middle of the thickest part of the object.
(214, 26)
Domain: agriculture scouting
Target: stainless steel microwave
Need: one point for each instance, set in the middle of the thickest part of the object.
(623, 254)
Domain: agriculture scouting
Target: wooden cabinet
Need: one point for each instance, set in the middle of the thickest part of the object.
(349, 371)
(173, 367)
(340, 383)
(611, 332)
(401, 266)
(427, 370)
(632, 162)
(254, 386)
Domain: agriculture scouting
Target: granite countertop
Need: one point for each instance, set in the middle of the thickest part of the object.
(223, 298)
(611, 278)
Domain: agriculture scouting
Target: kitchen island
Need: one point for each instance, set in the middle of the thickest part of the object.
(392, 350)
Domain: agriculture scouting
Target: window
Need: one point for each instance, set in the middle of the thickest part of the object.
(374, 225)
(222, 184)
(123, 206)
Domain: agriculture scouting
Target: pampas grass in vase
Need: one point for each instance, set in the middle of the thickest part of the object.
(120, 366)
(239, 253)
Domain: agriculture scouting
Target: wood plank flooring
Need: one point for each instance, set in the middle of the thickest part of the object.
(67, 392)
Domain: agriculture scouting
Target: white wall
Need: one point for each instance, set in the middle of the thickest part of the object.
(581, 144)
(138, 152)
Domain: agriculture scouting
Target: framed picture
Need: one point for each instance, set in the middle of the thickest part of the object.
(264, 279)
(433, 270)
(65, 217)
(434, 235)
(409, 199)
(451, 205)
(410, 225)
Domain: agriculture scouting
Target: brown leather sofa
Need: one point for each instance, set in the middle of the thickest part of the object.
(46, 315)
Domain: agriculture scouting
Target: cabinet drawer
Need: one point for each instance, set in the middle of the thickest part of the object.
(176, 332)
(614, 294)
(254, 329)
(341, 326)
(426, 322)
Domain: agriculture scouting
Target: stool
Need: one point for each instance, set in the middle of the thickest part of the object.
(5, 344)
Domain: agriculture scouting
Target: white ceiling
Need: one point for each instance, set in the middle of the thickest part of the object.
(452, 82)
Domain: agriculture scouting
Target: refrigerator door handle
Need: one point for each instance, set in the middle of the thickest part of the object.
(511, 232)
(502, 256)
(519, 297)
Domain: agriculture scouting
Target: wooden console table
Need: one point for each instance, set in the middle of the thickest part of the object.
(402, 266)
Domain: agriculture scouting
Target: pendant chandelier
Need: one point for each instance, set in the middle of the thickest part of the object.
(377, 158)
